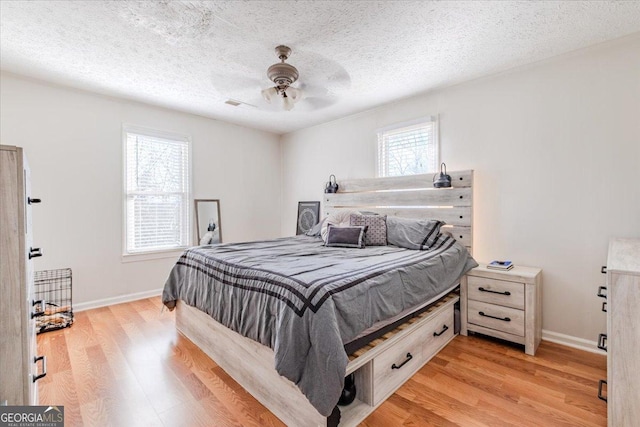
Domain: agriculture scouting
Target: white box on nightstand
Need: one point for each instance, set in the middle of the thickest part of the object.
(503, 304)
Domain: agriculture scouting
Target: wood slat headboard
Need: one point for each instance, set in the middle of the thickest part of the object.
(411, 197)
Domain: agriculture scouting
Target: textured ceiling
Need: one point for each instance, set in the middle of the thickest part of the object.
(352, 55)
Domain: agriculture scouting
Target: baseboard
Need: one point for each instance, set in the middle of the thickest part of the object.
(569, 341)
(116, 300)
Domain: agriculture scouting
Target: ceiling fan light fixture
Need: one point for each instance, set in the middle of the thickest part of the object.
(283, 75)
(269, 93)
(287, 103)
(294, 94)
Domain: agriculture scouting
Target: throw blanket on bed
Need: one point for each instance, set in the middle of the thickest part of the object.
(305, 300)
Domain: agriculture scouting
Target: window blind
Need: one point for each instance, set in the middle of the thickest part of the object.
(157, 193)
(408, 149)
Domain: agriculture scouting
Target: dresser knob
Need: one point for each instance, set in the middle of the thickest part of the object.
(602, 342)
(35, 252)
(44, 367)
(601, 396)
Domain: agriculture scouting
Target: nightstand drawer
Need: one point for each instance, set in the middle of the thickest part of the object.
(509, 294)
(496, 317)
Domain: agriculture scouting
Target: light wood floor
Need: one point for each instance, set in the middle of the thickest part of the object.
(126, 365)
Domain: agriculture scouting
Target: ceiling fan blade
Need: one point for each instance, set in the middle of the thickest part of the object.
(318, 73)
(315, 104)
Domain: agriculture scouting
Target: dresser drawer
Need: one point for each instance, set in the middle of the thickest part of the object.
(509, 294)
(496, 317)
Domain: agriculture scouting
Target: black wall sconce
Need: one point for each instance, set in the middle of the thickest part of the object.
(444, 180)
(332, 185)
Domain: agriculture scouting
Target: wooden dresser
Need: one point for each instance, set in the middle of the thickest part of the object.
(623, 332)
(19, 370)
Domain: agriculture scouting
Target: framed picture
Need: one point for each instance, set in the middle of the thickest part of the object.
(308, 216)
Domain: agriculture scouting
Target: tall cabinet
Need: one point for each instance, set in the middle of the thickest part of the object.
(623, 332)
(20, 366)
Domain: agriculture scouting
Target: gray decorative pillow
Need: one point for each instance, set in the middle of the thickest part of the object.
(377, 228)
(412, 233)
(345, 237)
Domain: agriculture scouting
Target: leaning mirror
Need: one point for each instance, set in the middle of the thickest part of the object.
(208, 221)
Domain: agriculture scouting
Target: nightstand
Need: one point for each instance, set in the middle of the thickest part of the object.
(503, 304)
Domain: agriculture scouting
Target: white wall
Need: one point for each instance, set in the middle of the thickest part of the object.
(556, 151)
(74, 146)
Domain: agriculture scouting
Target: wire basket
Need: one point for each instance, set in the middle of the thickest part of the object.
(53, 292)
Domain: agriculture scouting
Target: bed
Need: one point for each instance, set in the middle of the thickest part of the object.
(279, 312)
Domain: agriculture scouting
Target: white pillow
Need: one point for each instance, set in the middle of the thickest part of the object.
(340, 218)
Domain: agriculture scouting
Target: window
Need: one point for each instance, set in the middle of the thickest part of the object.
(408, 148)
(156, 191)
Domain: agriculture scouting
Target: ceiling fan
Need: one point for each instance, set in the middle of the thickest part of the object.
(317, 82)
(283, 75)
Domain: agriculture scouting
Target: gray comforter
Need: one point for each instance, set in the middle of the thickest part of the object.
(305, 300)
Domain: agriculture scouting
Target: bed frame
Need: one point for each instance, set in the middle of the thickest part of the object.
(381, 367)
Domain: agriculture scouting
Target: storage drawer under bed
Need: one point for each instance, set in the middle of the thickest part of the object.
(392, 367)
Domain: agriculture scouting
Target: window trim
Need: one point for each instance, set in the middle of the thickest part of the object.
(160, 253)
(409, 123)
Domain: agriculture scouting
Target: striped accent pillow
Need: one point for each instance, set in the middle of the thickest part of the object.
(411, 233)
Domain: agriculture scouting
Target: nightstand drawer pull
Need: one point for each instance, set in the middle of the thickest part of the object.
(504, 319)
(602, 291)
(445, 328)
(600, 396)
(602, 342)
(409, 357)
(604, 306)
(481, 289)
(603, 270)
(44, 367)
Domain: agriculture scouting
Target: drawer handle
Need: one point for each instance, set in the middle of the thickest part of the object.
(603, 269)
(602, 342)
(42, 308)
(504, 319)
(409, 357)
(445, 328)
(33, 201)
(602, 291)
(604, 306)
(600, 396)
(35, 252)
(507, 293)
(44, 367)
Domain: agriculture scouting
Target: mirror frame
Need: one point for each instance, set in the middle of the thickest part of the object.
(198, 237)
